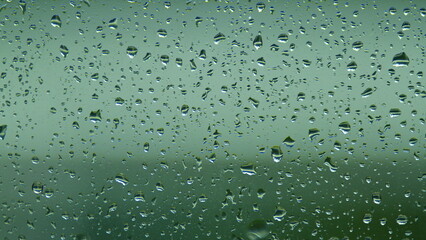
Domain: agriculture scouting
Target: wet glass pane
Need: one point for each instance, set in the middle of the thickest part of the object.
(205, 119)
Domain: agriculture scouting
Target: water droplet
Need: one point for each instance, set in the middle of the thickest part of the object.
(367, 218)
(146, 147)
(56, 21)
(162, 33)
(400, 60)
(312, 133)
(260, 6)
(95, 116)
(159, 187)
(261, 61)
(288, 141)
(167, 4)
(261, 193)
(402, 219)
(202, 198)
(48, 192)
(254, 102)
(179, 62)
(283, 38)
(37, 187)
(279, 214)
(119, 101)
(357, 45)
(218, 38)
(248, 169)
(202, 54)
(406, 26)
(3, 129)
(76, 125)
(164, 59)
(112, 208)
(412, 141)
(377, 199)
(131, 51)
(192, 65)
(367, 92)
(423, 12)
(147, 56)
(23, 6)
(113, 23)
(64, 50)
(139, 197)
(352, 66)
(258, 42)
(345, 127)
(198, 20)
(184, 109)
(392, 11)
(277, 153)
(330, 164)
(120, 178)
(257, 230)
(394, 112)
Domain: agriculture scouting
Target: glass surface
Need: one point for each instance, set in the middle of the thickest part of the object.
(212, 119)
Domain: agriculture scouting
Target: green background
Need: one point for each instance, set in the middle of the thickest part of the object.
(47, 98)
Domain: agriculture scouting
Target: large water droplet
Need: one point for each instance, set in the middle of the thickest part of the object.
(64, 50)
(56, 21)
(248, 169)
(37, 187)
(279, 214)
(288, 141)
(400, 60)
(258, 229)
(345, 127)
(95, 116)
(120, 178)
(277, 153)
(218, 38)
(131, 51)
(3, 129)
(258, 42)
